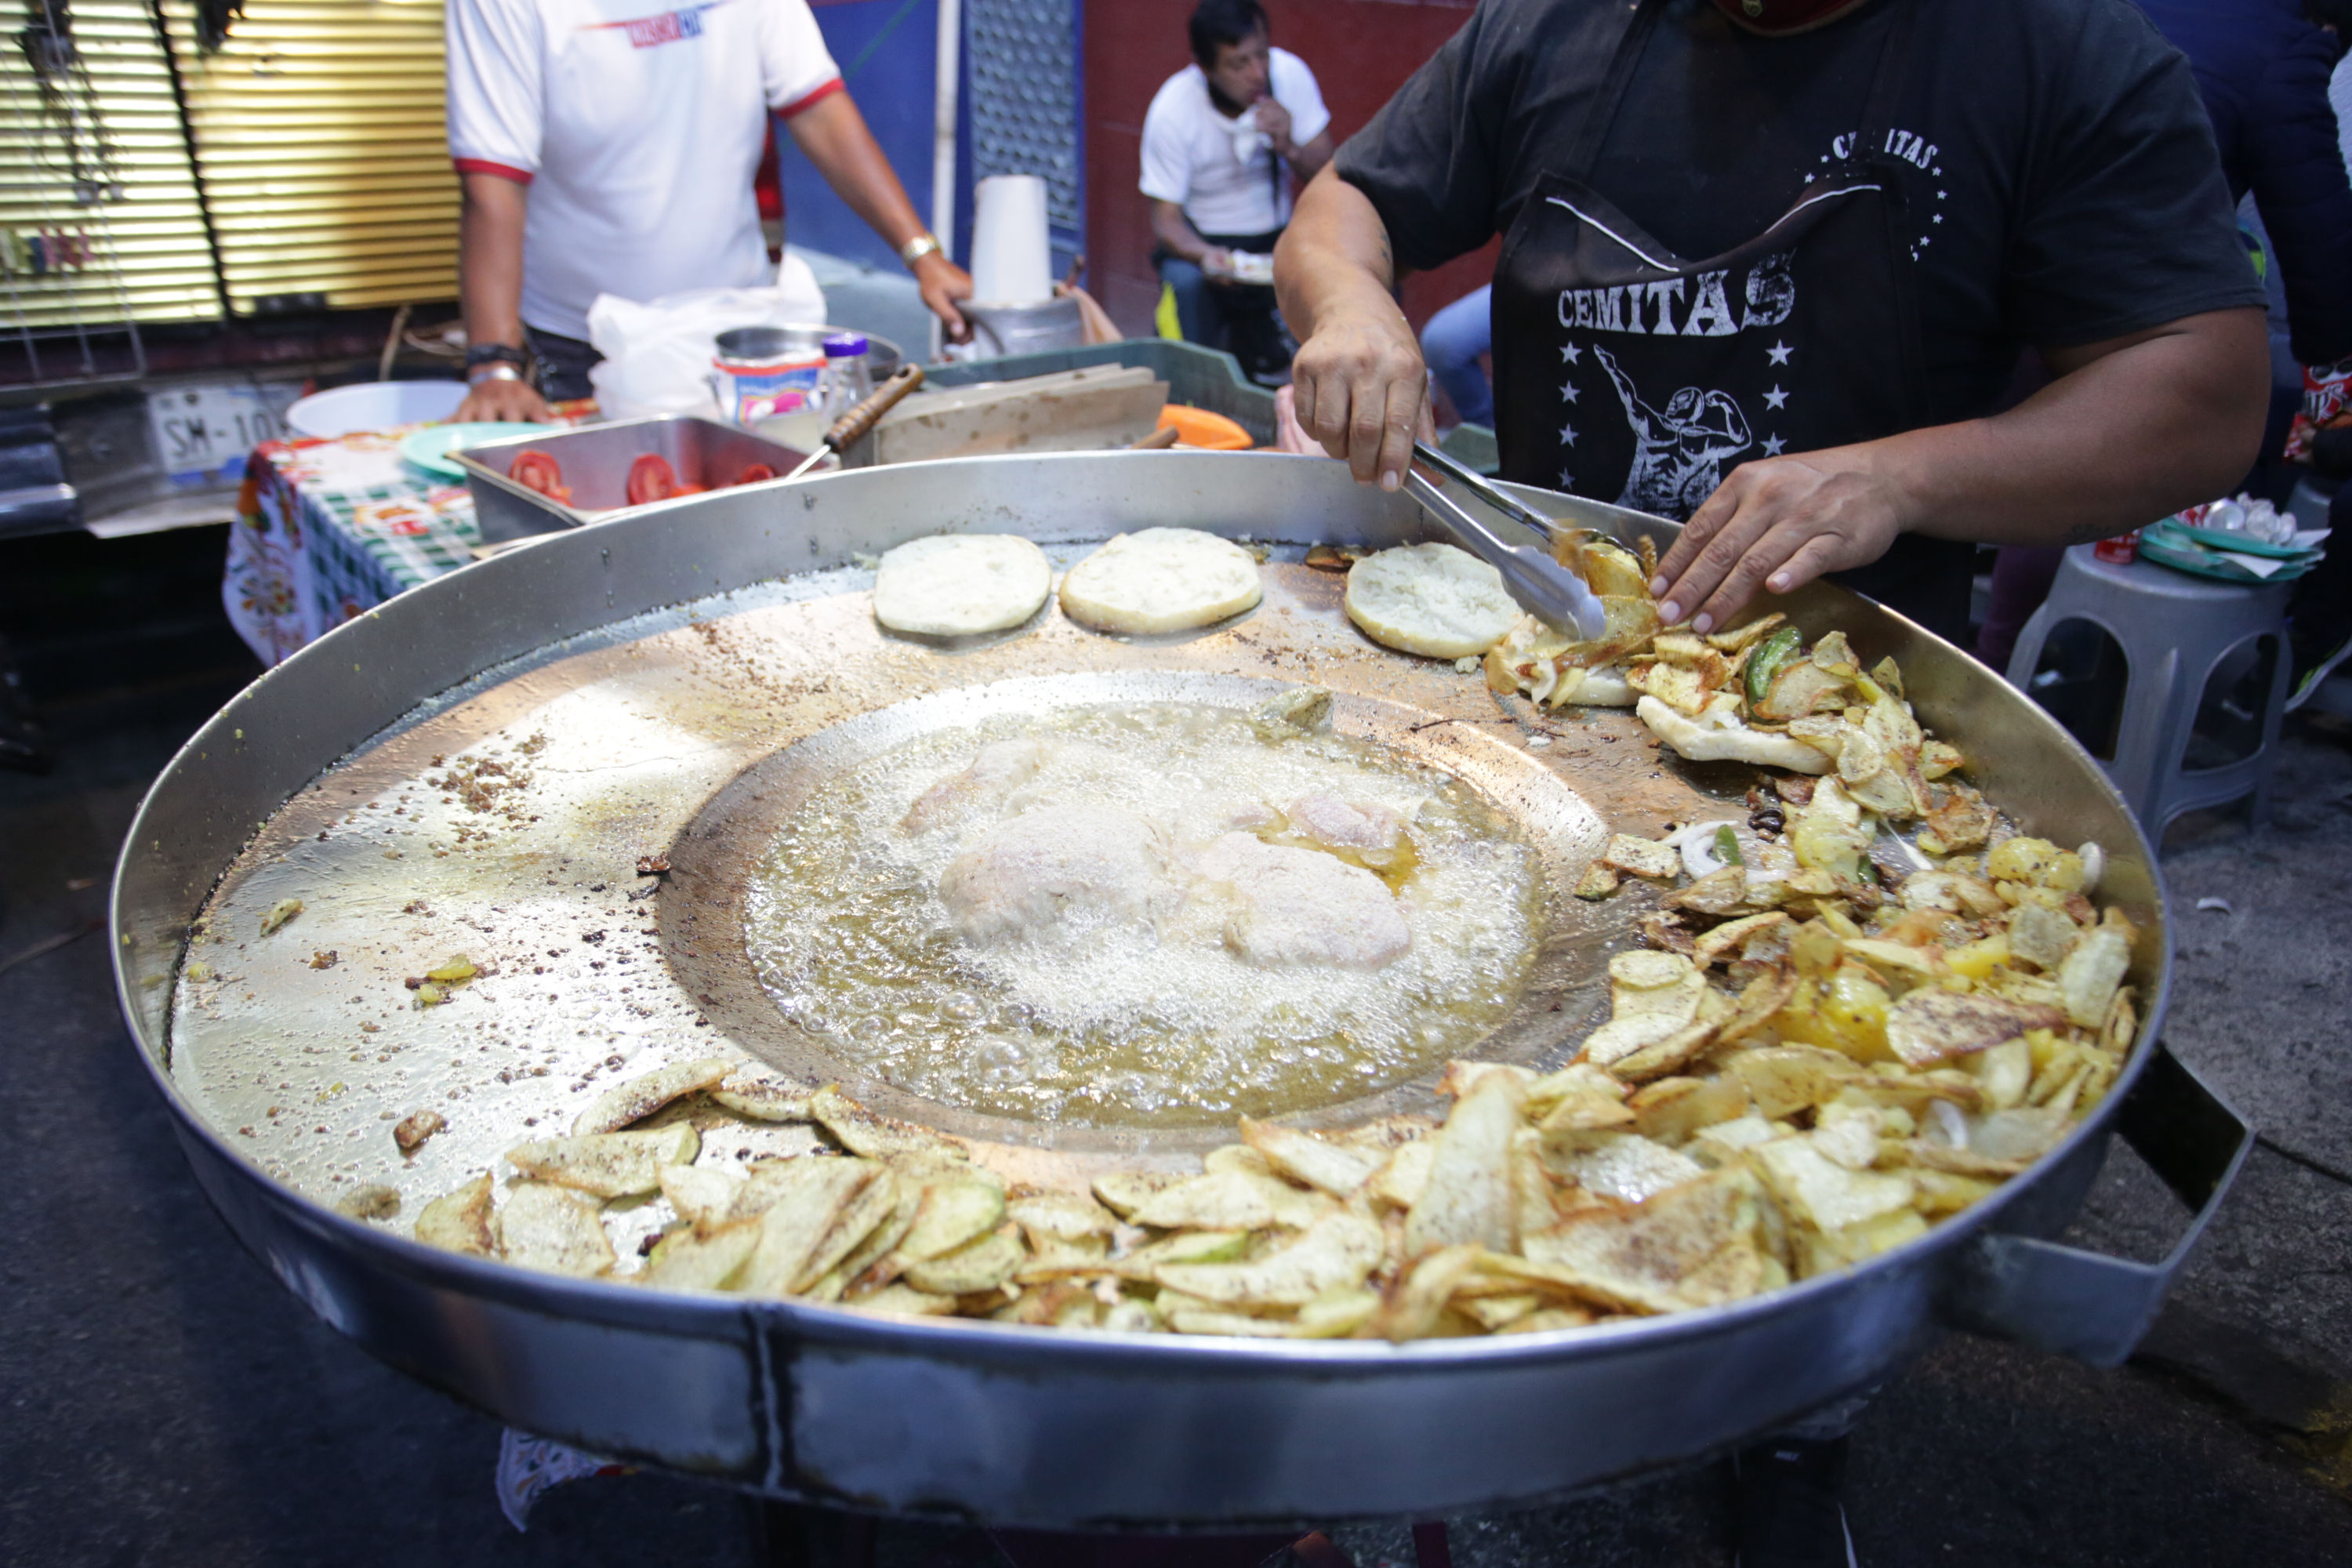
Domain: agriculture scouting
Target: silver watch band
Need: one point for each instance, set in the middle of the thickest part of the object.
(494, 370)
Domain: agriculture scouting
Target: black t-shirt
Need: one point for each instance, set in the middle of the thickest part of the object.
(2064, 185)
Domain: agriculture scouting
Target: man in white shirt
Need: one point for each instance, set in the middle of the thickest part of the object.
(604, 147)
(1217, 141)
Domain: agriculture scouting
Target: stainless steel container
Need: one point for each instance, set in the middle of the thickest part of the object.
(1024, 328)
(595, 461)
(1031, 1427)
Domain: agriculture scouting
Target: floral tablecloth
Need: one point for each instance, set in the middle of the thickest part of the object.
(328, 528)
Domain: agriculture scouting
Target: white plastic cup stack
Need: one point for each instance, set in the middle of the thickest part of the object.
(1012, 255)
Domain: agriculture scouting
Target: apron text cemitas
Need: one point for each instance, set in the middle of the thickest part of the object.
(1637, 376)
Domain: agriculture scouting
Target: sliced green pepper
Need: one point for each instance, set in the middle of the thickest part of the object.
(1764, 666)
(1727, 847)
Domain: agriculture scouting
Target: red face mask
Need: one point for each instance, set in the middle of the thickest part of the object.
(1784, 15)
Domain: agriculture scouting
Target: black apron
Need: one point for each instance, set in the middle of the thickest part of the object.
(1637, 377)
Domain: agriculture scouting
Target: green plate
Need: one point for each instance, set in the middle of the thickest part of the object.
(2220, 539)
(429, 448)
(2164, 545)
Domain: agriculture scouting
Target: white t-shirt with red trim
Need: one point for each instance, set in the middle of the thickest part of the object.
(638, 132)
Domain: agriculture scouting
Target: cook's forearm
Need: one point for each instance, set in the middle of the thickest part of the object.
(2123, 437)
(489, 250)
(1333, 257)
(1176, 234)
(833, 134)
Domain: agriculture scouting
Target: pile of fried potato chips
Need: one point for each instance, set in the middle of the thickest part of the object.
(1821, 1052)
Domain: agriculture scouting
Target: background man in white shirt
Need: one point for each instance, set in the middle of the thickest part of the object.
(1216, 143)
(604, 146)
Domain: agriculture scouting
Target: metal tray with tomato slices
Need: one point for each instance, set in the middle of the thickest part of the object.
(602, 471)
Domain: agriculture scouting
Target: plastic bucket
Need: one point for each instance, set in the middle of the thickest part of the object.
(374, 405)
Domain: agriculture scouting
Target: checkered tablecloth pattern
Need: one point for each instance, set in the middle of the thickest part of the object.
(328, 528)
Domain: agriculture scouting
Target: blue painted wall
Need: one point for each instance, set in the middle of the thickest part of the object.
(888, 50)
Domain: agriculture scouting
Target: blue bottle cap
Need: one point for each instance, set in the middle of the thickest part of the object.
(843, 345)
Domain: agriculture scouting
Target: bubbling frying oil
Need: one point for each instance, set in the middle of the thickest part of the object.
(1110, 1020)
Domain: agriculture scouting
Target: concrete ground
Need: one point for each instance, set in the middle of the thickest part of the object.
(167, 1401)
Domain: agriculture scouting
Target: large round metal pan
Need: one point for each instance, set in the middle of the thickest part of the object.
(1033, 1426)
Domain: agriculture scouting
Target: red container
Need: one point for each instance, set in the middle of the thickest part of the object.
(2123, 548)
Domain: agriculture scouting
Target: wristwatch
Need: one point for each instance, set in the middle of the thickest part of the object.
(922, 245)
(496, 361)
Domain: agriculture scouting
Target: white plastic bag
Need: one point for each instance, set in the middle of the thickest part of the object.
(657, 354)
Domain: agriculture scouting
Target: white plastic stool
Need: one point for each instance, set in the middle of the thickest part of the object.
(2175, 630)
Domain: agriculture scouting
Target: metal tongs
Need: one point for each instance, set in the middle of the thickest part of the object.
(1542, 587)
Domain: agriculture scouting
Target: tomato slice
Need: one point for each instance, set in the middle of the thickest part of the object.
(534, 470)
(754, 474)
(651, 479)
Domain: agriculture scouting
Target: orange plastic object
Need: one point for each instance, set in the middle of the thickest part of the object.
(1199, 427)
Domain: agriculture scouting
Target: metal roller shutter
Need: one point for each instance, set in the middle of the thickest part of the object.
(319, 134)
(147, 256)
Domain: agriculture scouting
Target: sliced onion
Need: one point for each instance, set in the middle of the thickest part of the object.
(2094, 865)
(1697, 843)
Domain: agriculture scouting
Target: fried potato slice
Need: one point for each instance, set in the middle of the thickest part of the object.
(856, 1221)
(1061, 1216)
(1625, 1166)
(905, 1301)
(1641, 857)
(1124, 1192)
(1739, 638)
(1784, 1079)
(979, 1265)
(861, 1132)
(705, 1197)
(1684, 1047)
(1230, 1200)
(956, 1209)
(688, 1259)
(762, 1097)
(1684, 689)
(1598, 882)
(1335, 1253)
(1238, 1157)
(1693, 1245)
(553, 1228)
(1416, 1298)
(812, 1192)
(1399, 1182)
(609, 1165)
(1931, 1026)
(2041, 936)
(1621, 1037)
(1469, 1197)
(642, 1095)
(2092, 972)
(1672, 1110)
(1821, 1251)
(1823, 1193)
(1301, 1156)
(459, 1221)
(1646, 981)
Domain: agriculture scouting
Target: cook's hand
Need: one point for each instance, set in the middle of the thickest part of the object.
(1364, 391)
(504, 401)
(941, 283)
(1777, 524)
(1217, 264)
(1274, 121)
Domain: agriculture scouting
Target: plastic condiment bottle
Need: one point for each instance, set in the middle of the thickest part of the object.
(848, 381)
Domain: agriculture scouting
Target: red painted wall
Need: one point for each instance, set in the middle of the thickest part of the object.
(1360, 52)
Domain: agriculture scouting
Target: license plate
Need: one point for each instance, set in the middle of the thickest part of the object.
(205, 431)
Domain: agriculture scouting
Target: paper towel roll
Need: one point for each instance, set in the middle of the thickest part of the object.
(1011, 258)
